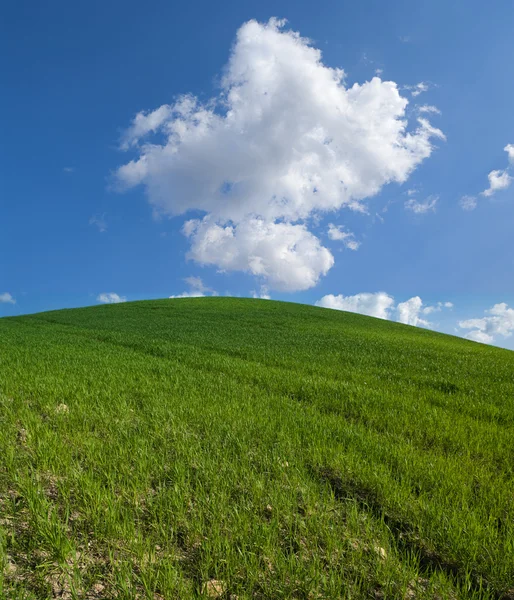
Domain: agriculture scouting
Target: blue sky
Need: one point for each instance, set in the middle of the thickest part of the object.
(260, 145)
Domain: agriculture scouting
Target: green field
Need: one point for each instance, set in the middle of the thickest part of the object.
(236, 448)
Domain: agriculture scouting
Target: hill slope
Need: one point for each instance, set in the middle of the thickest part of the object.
(236, 448)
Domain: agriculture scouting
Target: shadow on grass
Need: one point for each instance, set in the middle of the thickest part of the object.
(408, 541)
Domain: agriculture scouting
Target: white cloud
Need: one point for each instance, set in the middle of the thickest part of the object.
(432, 131)
(99, 222)
(408, 312)
(197, 289)
(498, 180)
(509, 149)
(373, 305)
(352, 244)
(382, 305)
(284, 139)
(417, 89)
(428, 109)
(480, 336)
(145, 123)
(337, 233)
(69, 169)
(420, 208)
(438, 307)
(263, 294)
(7, 298)
(190, 294)
(468, 202)
(486, 329)
(110, 298)
(196, 283)
(287, 257)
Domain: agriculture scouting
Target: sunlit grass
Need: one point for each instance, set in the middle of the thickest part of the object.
(230, 448)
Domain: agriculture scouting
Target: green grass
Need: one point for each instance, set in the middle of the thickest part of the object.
(236, 448)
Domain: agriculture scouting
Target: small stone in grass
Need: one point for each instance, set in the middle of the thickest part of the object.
(98, 588)
(213, 588)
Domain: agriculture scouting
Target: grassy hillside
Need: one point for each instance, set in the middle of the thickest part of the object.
(236, 448)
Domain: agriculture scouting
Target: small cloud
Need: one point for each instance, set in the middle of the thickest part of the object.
(7, 298)
(337, 233)
(190, 294)
(417, 89)
(421, 208)
(433, 131)
(429, 109)
(197, 289)
(196, 283)
(436, 308)
(468, 202)
(69, 169)
(509, 149)
(486, 329)
(498, 181)
(408, 312)
(110, 298)
(352, 245)
(99, 222)
(404, 39)
(145, 123)
(478, 335)
(365, 59)
(263, 294)
(378, 72)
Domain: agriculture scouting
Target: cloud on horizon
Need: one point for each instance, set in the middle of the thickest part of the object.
(374, 305)
(487, 329)
(382, 306)
(110, 298)
(197, 289)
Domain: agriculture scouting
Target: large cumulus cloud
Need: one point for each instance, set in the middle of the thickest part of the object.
(284, 140)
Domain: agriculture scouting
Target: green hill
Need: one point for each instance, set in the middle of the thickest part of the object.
(237, 448)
